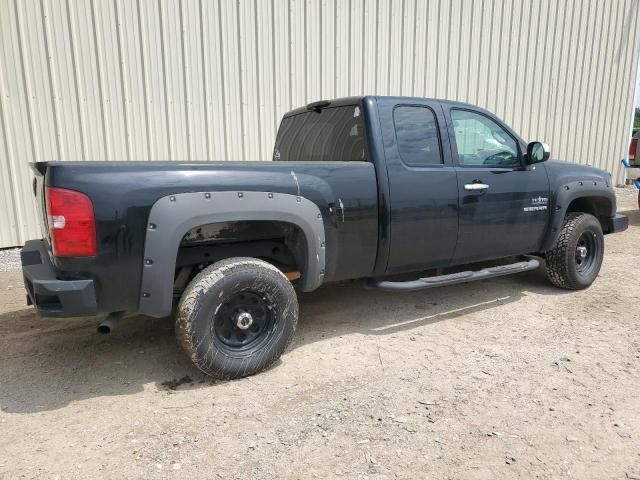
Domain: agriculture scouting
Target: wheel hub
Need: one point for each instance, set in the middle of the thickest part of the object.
(244, 320)
(586, 253)
(582, 251)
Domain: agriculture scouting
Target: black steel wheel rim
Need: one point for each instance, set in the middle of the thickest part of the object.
(586, 254)
(243, 322)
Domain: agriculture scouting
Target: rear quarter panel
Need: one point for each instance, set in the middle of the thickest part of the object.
(124, 192)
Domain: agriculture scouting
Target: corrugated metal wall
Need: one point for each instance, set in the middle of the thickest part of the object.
(206, 79)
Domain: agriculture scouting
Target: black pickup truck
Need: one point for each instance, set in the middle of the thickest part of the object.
(373, 188)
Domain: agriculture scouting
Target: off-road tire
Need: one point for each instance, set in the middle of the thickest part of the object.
(562, 265)
(208, 296)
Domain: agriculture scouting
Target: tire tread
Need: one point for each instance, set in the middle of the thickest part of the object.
(558, 258)
(191, 303)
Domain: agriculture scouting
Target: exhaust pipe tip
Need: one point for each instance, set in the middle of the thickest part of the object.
(104, 328)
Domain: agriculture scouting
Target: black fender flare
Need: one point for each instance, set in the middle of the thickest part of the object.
(567, 193)
(172, 216)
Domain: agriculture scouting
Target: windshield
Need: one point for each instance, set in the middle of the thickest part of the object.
(330, 134)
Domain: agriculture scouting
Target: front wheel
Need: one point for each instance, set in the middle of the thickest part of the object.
(575, 260)
(236, 317)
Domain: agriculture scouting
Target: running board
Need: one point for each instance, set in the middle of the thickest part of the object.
(454, 278)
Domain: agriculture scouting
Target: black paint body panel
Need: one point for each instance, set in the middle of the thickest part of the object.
(124, 192)
(381, 217)
(423, 209)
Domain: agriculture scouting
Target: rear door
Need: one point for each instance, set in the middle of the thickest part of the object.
(423, 198)
(503, 203)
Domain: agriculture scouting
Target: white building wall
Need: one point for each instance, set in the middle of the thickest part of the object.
(209, 79)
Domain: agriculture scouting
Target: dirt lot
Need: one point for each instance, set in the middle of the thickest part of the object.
(509, 378)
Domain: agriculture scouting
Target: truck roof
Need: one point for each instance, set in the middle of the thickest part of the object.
(344, 101)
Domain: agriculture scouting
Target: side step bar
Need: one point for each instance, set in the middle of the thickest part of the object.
(453, 278)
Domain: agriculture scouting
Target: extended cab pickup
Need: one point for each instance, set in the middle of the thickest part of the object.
(366, 187)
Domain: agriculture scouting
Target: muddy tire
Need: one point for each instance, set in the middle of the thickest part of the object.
(575, 260)
(236, 317)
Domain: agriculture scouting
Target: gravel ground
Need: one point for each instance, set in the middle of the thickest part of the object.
(505, 378)
(9, 259)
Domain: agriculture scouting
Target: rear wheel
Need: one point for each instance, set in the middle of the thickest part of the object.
(575, 260)
(236, 317)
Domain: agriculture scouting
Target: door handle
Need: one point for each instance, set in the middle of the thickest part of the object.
(475, 186)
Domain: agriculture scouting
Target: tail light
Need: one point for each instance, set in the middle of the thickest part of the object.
(633, 146)
(72, 225)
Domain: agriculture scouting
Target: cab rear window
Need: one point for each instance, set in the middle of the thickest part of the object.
(334, 134)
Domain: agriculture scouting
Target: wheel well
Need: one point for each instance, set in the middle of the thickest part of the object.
(282, 244)
(599, 207)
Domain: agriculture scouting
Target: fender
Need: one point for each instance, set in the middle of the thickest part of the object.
(171, 217)
(567, 193)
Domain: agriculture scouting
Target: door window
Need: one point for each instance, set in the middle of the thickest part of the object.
(481, 142)
(417, 136)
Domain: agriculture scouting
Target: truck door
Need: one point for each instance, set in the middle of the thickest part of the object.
(503, 203)
(423, 199)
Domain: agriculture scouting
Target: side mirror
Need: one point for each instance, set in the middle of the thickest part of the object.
(537, 152)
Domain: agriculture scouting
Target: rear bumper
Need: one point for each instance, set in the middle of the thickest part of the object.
(618, 223)
(51, 296)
